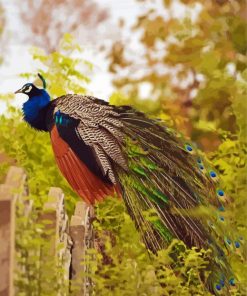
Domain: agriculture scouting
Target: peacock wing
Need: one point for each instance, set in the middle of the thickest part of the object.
(90, 132)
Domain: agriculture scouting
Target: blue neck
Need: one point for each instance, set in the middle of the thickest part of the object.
(32, 109)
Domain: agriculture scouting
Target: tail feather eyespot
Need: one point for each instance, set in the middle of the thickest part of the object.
(228, 241)
(221, 209)
(220, 192)
(189, 148)
(232, 281)
(199, 161)
(212, 174)
(237, 244)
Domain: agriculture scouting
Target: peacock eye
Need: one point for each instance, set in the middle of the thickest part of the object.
(28, 88)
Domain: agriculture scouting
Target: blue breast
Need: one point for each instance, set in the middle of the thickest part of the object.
(32, 109)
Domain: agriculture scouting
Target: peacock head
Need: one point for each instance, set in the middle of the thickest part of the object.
(32, 90)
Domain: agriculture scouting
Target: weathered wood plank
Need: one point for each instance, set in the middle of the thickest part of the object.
(56, 229)
(9, 192)
(81, 234)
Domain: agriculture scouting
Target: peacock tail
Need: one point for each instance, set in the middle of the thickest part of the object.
(171, 193)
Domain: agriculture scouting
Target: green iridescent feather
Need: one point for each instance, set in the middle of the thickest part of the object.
(168, 177)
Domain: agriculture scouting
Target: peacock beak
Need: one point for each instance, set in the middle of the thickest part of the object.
(18, 91)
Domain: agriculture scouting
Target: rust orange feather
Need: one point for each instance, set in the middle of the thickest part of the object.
(88, 186)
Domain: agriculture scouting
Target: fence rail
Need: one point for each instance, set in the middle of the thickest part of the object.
(75, 236)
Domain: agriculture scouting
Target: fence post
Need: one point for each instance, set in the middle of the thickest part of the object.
(56, 232)
(81, 233)
(9, 192)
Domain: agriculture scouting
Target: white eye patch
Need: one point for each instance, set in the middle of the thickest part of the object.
(28, 89)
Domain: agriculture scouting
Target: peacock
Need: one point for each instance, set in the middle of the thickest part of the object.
(105, 150)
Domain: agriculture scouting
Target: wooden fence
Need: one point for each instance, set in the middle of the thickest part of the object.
(75, 235)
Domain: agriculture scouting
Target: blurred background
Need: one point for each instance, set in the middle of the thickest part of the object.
(181, 60)
(180, 57)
